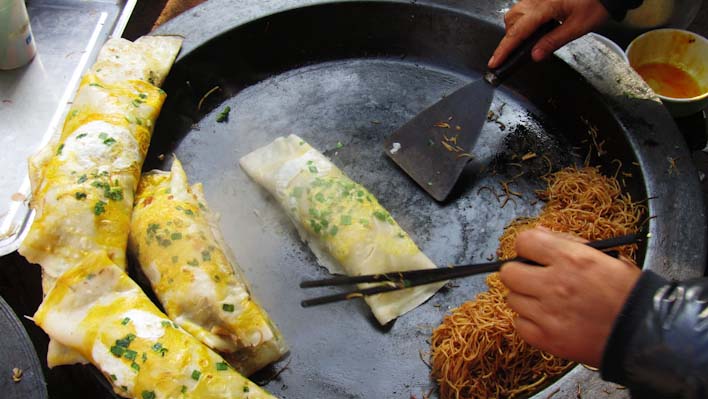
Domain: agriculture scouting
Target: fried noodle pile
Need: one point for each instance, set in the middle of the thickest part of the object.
(476, 352)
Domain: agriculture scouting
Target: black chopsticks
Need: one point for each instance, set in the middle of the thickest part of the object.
(399, 280)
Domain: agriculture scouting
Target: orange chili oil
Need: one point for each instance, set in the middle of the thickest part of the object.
(668, 80)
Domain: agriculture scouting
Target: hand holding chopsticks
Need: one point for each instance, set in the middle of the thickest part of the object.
(406, 279)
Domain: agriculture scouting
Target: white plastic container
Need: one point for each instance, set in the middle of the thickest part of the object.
(685, 50)
(16, 41)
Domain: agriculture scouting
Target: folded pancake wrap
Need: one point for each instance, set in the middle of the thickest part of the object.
(180, 249)
(95, 309)
(83, 181)
(344, 225)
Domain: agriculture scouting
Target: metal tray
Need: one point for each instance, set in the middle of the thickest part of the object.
(35, 98)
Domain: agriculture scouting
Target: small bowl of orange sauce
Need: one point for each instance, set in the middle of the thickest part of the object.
(674, 63)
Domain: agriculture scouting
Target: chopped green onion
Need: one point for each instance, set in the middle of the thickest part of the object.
(125, 341)
(221, 366)
(196, 374)
(125, 321)
(99, 208)
(223, 115)
(130, 354)
(152, 228)
(157, 347)
(227, 307)
(114, 193)
(380, 215)
(117, 351)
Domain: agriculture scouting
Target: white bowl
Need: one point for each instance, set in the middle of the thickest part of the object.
(685, 50)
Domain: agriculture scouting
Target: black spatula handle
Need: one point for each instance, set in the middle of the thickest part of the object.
(520, 55)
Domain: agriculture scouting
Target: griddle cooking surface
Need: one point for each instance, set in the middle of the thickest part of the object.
(351, 73)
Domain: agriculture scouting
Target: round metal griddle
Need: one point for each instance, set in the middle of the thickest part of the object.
(21, 372)
(350, 73)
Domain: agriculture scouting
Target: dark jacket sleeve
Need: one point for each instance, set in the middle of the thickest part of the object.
(618, 8)
(658, 347)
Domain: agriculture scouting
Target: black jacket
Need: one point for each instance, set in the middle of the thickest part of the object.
(618, 8)
(658, 347)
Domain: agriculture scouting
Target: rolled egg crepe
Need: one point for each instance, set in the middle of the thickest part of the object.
(83, 181)
(344, 225)
(180, 249)
(95, 309)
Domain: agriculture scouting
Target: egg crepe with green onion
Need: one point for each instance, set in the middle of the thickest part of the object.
(83, 181)
(344, 225)
(180, 249)
(95, 309)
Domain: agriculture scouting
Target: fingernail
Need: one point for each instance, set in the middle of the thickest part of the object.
(537, 54)
(491, 62)
(544, 228)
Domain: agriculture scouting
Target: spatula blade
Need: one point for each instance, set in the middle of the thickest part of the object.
(434, 147)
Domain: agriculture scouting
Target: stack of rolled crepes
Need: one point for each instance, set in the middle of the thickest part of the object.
(83, 187)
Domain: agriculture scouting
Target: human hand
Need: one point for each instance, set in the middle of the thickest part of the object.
(568, 307)
(578, 17)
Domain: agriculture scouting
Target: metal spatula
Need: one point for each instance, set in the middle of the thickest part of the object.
(434, 147)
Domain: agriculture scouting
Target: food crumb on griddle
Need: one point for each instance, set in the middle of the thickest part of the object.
(16, 374)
